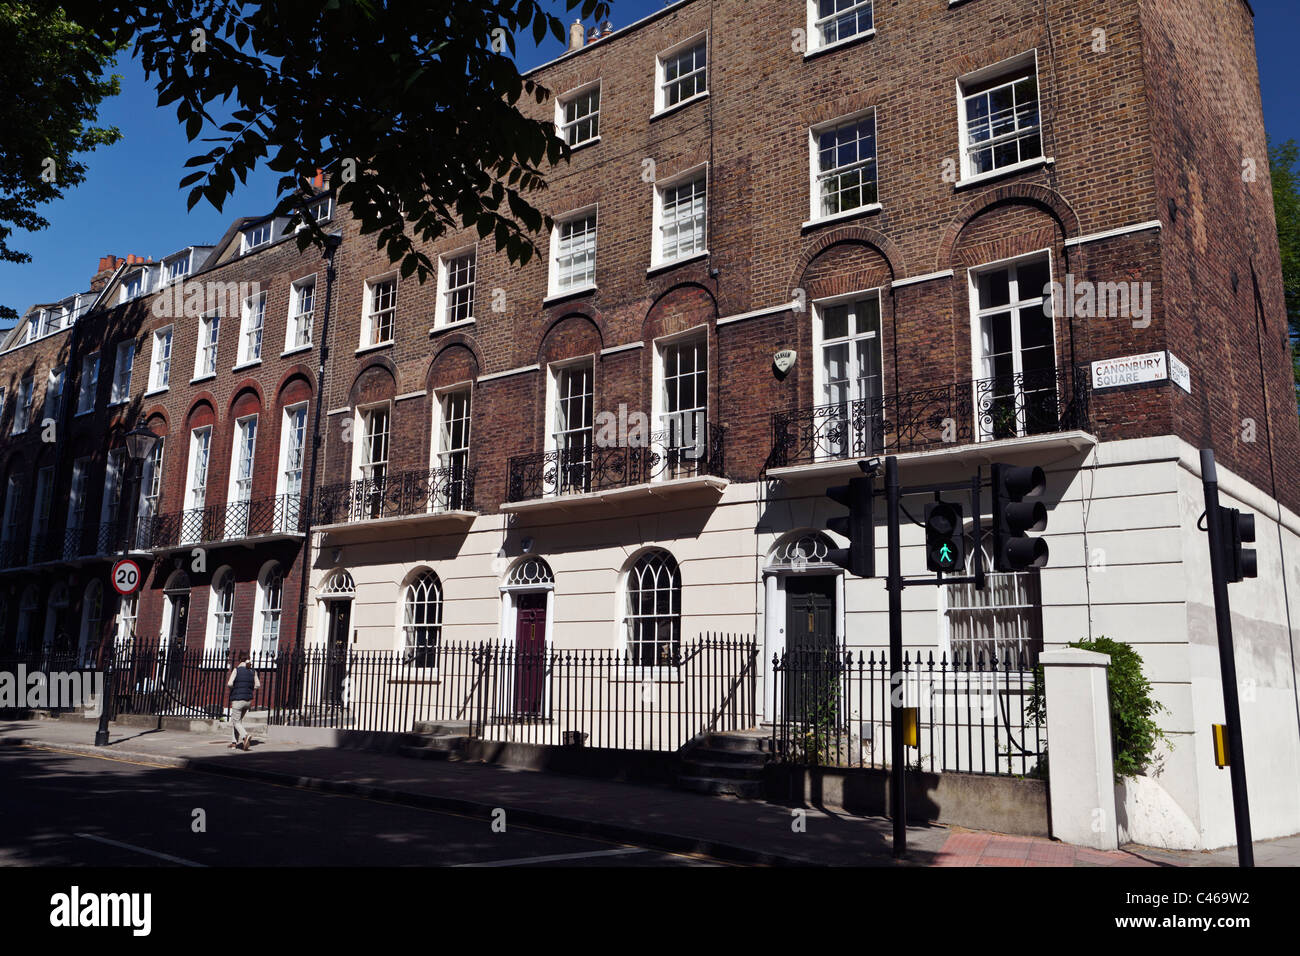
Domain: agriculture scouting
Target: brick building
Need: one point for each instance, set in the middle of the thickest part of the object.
(598, 450)
(211, 347)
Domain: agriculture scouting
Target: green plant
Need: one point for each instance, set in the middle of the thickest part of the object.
(1133, 710)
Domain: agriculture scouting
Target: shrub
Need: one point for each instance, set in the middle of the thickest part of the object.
(1133, 710)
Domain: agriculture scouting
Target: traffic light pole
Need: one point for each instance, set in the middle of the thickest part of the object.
(1227, 661)
(894, 584)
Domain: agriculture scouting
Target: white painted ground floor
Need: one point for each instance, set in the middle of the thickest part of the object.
(641, 569)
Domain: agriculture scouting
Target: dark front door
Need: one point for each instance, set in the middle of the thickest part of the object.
(530, 653)
(176, 638)
(336, 650)
(812, 649)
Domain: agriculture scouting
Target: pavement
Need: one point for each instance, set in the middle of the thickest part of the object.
(656, 818)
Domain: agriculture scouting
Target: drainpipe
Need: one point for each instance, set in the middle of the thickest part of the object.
(332, 243)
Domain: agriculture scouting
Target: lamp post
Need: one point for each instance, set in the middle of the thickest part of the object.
(140, 442)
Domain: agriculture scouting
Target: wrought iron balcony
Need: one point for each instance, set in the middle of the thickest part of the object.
(587, 467)
(230, 521)
(962, 413)
(14, 552)
(401, 495)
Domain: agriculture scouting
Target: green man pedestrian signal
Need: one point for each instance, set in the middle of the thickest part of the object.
(859, 558)
(945, 544)
(1238, 562)
(1014, 516)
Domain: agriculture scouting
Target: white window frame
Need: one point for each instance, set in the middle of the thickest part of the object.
(1014, 306)
(363, 469)
(23, 406)
(88, 386)
(431, 598)
(293, 444)
(816, 22)
(300, 318)
(817, 174)
(75, 522)
(628, 619)
(662, 82)
(252, 330)
(160, 362)
(114, 470)
(123, 363)
(256, 236)
(1009, 71)
(369, 313)
(198, 472)
(243, 465)
(564, 125)
(820, 342)
(558, 250)
(150, 485)
(662, 413)
(1021, 581)
(221, 617)
(13, 510)
(52, 407)
(657, 257)
(447, 292)
(176, 270)
(42, 506)
(263, 612)
(207, 347)
(555, 436)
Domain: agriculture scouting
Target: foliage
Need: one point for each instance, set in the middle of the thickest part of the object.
(1133, 710)
(52, 72)
(413, 105)
(1284, 166)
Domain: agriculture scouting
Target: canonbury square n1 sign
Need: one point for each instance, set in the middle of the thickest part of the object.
(1130, 370)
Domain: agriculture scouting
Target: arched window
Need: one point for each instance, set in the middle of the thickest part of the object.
(58, 640)
(530, 572)
(338, 585)
(269, 599)
(422, 619)
(654, 609)
(800, 551)
(92, 616)
(221, 613)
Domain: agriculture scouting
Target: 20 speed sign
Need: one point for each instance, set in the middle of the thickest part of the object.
(126, 577)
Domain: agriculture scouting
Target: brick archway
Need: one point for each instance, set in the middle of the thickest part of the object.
(1026, 193)
(851, 234)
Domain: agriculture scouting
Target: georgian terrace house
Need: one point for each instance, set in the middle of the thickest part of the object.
(947, 211)
(889, 191)
(212, 349)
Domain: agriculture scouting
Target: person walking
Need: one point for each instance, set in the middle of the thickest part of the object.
(243, 684)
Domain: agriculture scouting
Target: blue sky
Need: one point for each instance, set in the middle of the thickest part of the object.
(129, 202)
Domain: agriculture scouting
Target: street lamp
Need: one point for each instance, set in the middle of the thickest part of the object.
(140, 442)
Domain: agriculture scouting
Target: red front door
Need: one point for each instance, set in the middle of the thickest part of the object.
(530, 653)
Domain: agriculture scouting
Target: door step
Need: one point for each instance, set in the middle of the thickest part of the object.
(729, 764)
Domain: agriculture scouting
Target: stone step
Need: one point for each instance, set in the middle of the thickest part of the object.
(717, 787)
(743, 742)
(737, 757)
(722, 770)
(434, 728)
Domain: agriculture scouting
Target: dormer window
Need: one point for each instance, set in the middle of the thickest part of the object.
(178, 269)
(259, 235)
(134, 287)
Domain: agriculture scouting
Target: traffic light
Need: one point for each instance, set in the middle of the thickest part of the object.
(945, 545)
(1238, 562)
(1013, 516)
(859, 558)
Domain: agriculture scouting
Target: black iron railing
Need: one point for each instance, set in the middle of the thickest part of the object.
(14, 552)
(833, 709)
(229, 521)
(399, 495)
(587, 466)
(599, 698)
(961, 413)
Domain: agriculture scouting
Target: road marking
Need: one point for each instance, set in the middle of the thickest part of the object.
(626, 851)
(140, 849)
(110, 758)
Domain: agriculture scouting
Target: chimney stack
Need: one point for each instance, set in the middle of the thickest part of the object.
(577, 36)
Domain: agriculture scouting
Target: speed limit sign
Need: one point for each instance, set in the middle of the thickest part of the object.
(126, 577)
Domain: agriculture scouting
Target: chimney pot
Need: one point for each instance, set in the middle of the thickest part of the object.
(577, 35)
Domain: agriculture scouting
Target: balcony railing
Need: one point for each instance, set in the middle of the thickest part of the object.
(588, 467)
(962, 413)
(400, 495)
(14, 552)
(230, 521)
